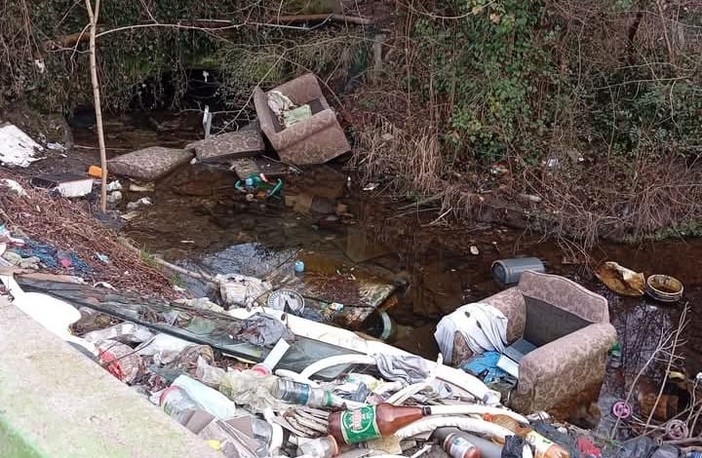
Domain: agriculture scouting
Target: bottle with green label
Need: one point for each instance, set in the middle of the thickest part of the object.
(372, 422)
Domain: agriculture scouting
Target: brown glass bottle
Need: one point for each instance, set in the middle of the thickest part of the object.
(372, 422)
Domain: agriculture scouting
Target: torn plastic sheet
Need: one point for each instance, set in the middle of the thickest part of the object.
(176, 320)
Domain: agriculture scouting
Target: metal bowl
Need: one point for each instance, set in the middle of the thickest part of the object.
(664, 288)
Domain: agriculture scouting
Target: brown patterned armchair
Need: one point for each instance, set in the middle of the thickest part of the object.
(570, 326)
(312, 141)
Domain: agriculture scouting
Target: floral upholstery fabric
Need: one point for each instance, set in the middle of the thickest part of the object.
(554, 373)
(149, 164)
(559, 370)
(565, 294)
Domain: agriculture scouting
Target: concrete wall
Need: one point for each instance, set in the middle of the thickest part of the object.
(55, 402)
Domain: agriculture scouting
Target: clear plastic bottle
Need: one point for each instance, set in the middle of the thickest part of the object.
(176, 403)
(324, 447)
(303, 394)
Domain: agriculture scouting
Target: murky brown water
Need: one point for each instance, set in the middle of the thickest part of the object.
(200, 220)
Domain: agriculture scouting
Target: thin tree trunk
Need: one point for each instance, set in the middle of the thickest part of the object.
(94, 15)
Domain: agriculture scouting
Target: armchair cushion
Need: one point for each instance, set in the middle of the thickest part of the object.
(563, 368)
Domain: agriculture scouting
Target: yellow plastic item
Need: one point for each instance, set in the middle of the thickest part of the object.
(95, 171)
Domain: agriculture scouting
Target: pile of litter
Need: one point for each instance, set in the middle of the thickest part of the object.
(52, 225)
(260, 382)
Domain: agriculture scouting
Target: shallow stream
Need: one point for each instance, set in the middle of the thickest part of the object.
(200, 221)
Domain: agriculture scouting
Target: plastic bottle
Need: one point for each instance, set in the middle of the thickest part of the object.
(176, 403)
(488, 449)
(303, 394)
(208, 399)
(543, 447)
(372, 422)
(324, 447)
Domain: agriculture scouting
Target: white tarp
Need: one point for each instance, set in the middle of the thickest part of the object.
(16, 147)
(483, 327)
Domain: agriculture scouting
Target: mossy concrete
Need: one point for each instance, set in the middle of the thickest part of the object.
(55, 402)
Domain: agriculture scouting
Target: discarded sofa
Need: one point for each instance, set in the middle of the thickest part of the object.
(314, 140)
(570, 327)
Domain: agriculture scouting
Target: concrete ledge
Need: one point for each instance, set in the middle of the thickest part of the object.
(55, 402)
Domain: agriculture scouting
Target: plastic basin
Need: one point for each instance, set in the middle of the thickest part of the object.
(664, 288)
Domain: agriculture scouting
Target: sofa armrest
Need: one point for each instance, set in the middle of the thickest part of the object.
(565, 367)
(303, 129)
(302, 89)
(511, 303)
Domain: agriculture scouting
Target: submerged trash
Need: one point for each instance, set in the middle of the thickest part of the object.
(620, 279)
(242, 290)
(664, 288)
(507, 272)
(143, 202)
(286, 300)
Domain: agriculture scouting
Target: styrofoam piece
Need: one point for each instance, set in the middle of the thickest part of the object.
(17, 148)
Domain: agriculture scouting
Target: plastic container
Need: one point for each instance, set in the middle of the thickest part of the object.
(664, 288)
(208, 399)
(176, 403)
(324, 447)
(299, 267)
(95, 171)
(507, 272)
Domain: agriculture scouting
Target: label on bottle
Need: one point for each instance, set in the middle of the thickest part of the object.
(294, 393)
(457, 446)
(539, 442)
(359, 425)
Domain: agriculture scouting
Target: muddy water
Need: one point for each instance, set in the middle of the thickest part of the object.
(200, 221)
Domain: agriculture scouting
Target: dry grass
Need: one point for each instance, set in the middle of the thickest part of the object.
(618, 199)
(69, 226)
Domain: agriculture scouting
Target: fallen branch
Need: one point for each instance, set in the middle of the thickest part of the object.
(321, 17)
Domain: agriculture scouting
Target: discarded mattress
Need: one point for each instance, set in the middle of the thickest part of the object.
(150, 163)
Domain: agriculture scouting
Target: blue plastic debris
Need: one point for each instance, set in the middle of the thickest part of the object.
(53, 258)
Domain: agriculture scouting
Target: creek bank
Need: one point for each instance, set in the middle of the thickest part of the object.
(197, 210)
